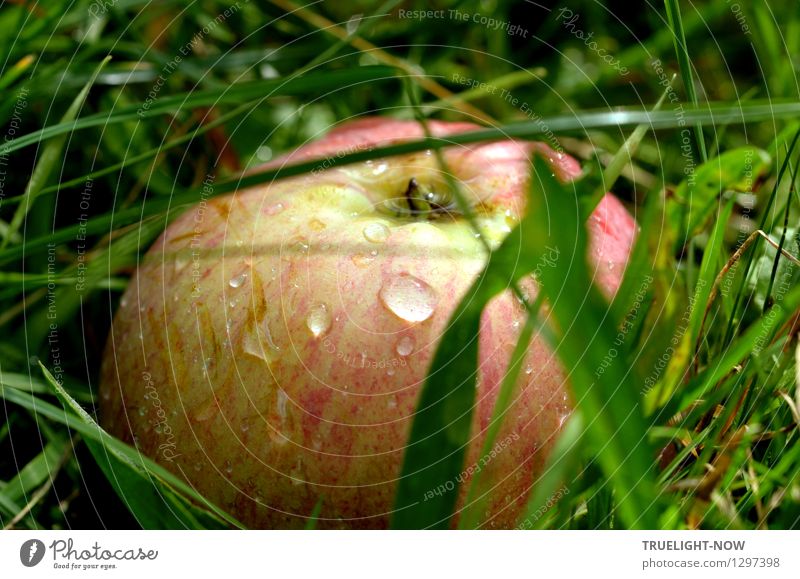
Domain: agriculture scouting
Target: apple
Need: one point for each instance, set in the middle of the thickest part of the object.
(271, 347)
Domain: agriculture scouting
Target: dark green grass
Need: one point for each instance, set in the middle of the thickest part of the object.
(694, 422)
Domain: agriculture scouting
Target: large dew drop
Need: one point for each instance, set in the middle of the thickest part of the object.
(258, 342)
(409, 298)
(319, 320)
(238, 280)
(405, 346)
(376, 232)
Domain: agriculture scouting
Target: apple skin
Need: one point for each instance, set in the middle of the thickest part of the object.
(271, 346)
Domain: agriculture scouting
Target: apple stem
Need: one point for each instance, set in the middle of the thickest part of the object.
(422, 200)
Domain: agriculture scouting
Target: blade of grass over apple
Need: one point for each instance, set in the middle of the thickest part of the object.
(523, 130)
(440, 432)
(565, 458)
(617, 428)
(474, 505)
(52, 153)
(509, 380)
(713, 113)
(311, 524)
(157, 497)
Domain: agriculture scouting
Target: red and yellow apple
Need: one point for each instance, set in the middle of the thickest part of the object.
(272, 345)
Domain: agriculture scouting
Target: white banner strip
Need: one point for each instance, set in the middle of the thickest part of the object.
(383, 554)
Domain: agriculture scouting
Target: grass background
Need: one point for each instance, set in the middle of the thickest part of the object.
(688, 111)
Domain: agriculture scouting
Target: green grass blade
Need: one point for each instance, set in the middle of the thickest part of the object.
(682, 52)
(712, 256)
(51, 154)
(148, 482)
(617, 428)
(475, 505)
(236, 94)
(440, 432)
(564, 458)
(36, 472)
(751, 253)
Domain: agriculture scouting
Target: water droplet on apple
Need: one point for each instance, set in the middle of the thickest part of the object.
(280, 404)
(405, 346)
(298, 473)
(376, 232)
(390, 371)
(276, 437)
(392, 403)
(319, 320)
(408, 297)
(264, 153)
(529, 370)
(253, 345)
(228, 467)
(179, 265)
(238, 280)
(272, 209)
(362, 259)
(610, 265)
(206, 411)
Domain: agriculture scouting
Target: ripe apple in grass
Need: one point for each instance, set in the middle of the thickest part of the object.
(273, 342)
